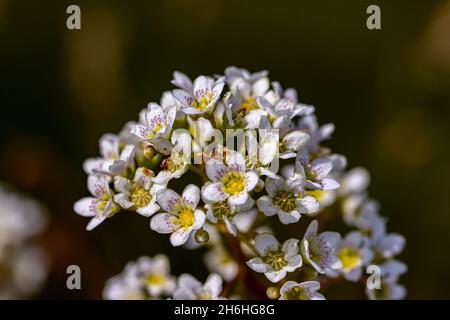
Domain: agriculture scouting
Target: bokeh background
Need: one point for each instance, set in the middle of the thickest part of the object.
(387, 91)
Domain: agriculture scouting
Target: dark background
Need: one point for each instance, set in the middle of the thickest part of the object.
(387, 91)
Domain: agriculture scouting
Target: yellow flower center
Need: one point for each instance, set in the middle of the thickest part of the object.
(101, 205)
(233, 182)
(349, 257)
(155, 279)
(157, 127)
(186, 217)
(204, 296)
(296, 293)
(246, 106)
(275, 259)
(285, 200)
(222, 210)
(139, 196)
(318, 194)
(203, 101)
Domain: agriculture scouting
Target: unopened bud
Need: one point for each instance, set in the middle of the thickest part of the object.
(201, 236)
(272, 293)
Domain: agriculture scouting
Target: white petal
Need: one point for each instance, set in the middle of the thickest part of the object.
(321, 167)
(95, 222)
(260, 87)
(149, 209)
(180, 236)
(163, 177)
(167, 199)
(266, 242)
(123, 200)
(127, 154)
(183, 97)
(332, 238)
(238, 199)
(86, 207)
(231, 228)
(288, 285)
(189, 282)
(217, 88)
(109, 146)
(294, 262)
(273, 185)
(258, 265)
(97, 185)
(170, 116)
(213, 285)
(265, 205)
(141, 131)
(122, 184)
(93, 164)
(251, 180)
(288, 217)
(290, 247)
(163, 223)
(199, 219)
(308, 204)
(213, 192)
(191, 195)
(215, 170)
(182, 81)
(312, 229)
(353, 275)
(329, 184)
(275, 276)
(201, 86)
(296, 139)
(163, 146)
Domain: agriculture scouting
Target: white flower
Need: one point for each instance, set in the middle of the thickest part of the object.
(189, 288)
(202, 97)
(147, 278)
(245, 87)
(389, 245)
(156, 123)
(291, 143)
(354, 253)
(291, 95)
(275, 260)
(123, 288)
(101, 205)
(355, 180)
(114, 160)
(224, 212)
(319, 250)
(301, 291)
(232, 181)
(181, 216)
(138, 194)
(388, 291)
(282, 108)
(20, 218)
(286, 199)
(218, 260)
(23, 264)
(155, 274)
(316, 172)
(177, 164)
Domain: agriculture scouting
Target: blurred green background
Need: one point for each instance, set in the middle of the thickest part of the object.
(387, 91)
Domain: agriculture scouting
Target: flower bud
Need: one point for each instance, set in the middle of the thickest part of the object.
(201, 236)
(272, 293)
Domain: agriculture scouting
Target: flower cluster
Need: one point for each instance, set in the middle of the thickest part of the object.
(23, 264)
(258, 153)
